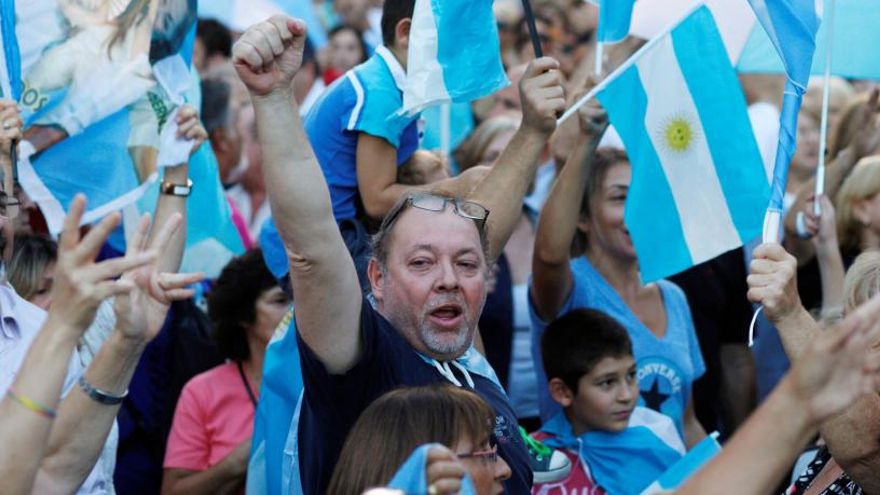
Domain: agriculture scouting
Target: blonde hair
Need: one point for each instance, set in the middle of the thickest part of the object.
(470, 153)
(862, 183)
(862, 280)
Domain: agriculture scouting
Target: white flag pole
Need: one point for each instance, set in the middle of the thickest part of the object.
(826, 95)
(600, 48)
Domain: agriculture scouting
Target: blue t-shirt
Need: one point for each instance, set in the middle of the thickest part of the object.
(666, 367)
(333, 403)
(366, 99)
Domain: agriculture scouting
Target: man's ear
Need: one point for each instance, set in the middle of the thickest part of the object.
(560, 392)
(376, 274)
(401, 33)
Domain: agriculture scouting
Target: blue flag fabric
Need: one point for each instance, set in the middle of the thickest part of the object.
(99, 93)
(273, 460)
(687, 466)
(412, 476)
(454, 54)
(699, 188)
(855, 23)
(626, 462)
(791, 26)
(615, 17)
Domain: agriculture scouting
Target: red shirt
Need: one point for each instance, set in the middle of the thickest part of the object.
(214, 415)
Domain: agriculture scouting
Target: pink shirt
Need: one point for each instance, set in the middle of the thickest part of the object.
(214, 415)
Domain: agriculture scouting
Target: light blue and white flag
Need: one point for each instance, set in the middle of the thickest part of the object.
(99, 93)
(791, 26)
(687, 466)
(699, 188)
(625, 462)
(412, 476)
(454, 54)
(615, 17)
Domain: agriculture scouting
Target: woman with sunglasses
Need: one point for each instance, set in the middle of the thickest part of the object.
(584, 258)
(400, 421)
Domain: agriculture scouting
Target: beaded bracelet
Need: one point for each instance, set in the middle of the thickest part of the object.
(34, 406)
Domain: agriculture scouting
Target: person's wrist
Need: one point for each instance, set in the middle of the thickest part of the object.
(795, 405)
(279, 95)
(178, 174)
(126, 339)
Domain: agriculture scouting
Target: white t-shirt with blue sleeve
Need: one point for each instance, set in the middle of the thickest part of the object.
(667, 367)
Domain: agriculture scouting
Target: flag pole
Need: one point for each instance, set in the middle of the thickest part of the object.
(599, 55)
(826, 96)
(533, 29)
(626, 65)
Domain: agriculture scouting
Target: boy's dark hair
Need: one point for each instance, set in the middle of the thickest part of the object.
(393, 12)
(576, 341)
(232, 301)
(215, 36)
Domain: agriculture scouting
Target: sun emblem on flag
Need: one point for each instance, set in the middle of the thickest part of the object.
(678, 134)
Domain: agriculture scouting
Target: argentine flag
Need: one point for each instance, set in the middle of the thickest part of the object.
(698, 188)
(454, 54)
(614, 20)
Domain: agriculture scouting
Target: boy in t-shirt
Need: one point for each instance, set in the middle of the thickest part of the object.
(357, 129)
(615, 446)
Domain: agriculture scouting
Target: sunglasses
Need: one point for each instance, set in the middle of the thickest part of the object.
(432, 202)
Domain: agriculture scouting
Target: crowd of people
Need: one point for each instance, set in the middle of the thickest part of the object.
(474, 315)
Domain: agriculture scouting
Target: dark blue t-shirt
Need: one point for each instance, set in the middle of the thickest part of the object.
(333, 403)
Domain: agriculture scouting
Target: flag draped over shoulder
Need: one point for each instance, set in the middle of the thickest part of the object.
(791, 26)
(698, 188)
(614, 20)
(624, 462)
(454, 53)
(100, 86)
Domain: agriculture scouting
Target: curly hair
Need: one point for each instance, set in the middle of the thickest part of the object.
(232, 301)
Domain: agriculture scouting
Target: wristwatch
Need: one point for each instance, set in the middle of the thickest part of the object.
(172, 189)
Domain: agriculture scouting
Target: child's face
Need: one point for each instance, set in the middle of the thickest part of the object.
(606, 396)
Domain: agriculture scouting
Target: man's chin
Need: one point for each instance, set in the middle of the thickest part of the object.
(447, 345)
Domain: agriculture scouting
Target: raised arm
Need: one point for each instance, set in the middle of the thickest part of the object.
(322, 272)
(26, 414)
(851, 436)
(83, 422)
(504, 188)
(837, 368)
(551, 275)
(189, 128)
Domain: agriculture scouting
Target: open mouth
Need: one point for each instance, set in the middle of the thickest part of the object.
(447, 315)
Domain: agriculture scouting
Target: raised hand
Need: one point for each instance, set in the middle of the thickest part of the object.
(81, 284)
(591, 116)
(189, 126)
(10, 125)
(141, 313)
(269, 54)
(542, 95)
(840, 366)
(773, 281)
